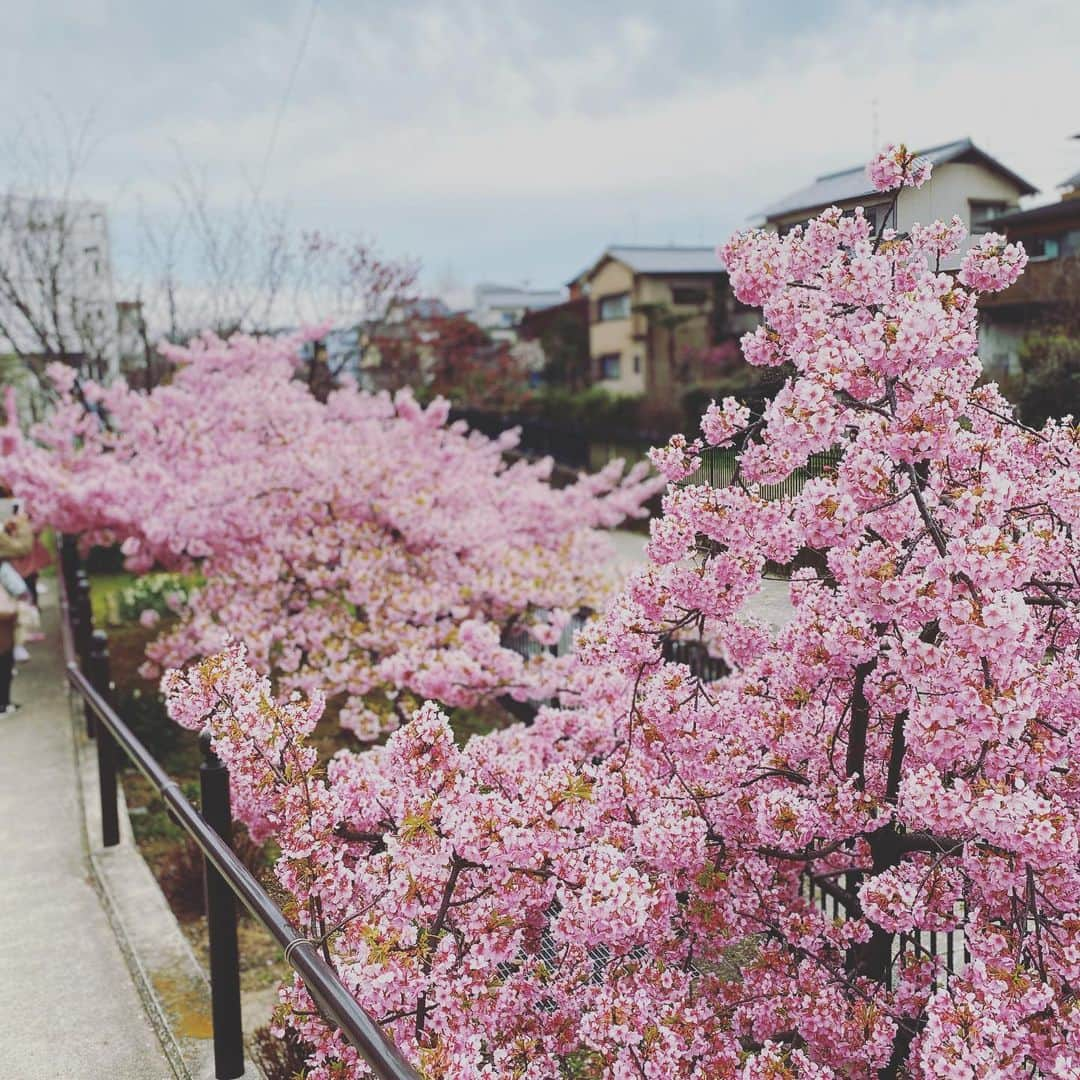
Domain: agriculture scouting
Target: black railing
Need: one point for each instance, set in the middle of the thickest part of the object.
(716, 468)
(702, 664)
(226, 878)
(947, 946)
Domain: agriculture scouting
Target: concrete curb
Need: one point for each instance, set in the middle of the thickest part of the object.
(169, 979)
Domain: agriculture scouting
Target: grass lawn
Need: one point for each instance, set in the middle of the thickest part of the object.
(104, 590)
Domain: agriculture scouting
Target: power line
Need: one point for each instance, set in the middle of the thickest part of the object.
(282, 105)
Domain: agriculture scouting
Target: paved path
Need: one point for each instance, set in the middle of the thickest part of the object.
(68, 1006)
(772, 604)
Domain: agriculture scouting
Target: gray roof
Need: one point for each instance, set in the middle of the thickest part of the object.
(666, 259)
(853, 183)
(488, 295)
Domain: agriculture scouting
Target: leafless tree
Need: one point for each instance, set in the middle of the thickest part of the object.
(199, 264)
(56, 299)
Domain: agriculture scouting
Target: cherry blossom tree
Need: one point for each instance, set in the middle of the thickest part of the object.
(362, 546)
(620, 890)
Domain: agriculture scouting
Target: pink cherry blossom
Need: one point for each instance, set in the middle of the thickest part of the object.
(631, 886)
(895, 167)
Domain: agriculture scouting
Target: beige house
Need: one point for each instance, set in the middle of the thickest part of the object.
(656, 317)
(965, 181)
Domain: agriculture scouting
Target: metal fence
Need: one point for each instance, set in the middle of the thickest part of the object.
(524, 644)
(575, 447)
(86, 653)
(716, 468)
(697, 658)
(947, 946)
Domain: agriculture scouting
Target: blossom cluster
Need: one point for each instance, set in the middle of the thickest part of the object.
(366, 547)
(896, 167)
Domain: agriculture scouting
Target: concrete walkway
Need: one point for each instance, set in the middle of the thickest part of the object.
(68, 1006)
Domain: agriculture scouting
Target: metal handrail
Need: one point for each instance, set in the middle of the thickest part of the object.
(322, 982)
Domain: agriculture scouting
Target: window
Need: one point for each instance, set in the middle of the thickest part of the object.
(1070, 242)
(611, 366)
(615, 307)
(637, 365)
(983, 214)
(687, 296)
(875, 215)
(1041, 247)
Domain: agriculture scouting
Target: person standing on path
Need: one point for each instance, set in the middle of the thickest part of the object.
(16, 541)
(31, 564)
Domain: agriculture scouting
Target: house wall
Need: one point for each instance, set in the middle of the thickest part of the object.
(999, 347)
(949, 191)
(1044, 296)
(675, 339)
(616, 336)
(669, 342)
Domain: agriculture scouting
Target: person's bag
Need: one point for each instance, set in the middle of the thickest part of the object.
(9, 606)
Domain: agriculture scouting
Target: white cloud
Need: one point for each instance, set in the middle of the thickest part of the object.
(511, 140)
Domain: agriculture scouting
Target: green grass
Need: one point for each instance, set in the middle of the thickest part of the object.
(104, 591)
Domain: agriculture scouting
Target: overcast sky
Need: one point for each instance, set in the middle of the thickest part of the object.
(512, 141)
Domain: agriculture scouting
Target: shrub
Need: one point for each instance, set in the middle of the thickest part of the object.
(164, 594)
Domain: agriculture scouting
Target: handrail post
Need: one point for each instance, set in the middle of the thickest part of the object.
(69, 560)
(98, 674)
(221, 920)
(82, 629)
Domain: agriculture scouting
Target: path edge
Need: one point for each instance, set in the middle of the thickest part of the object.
(153, 945)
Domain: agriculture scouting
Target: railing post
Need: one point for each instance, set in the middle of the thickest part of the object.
(221, 920)
(66, 556)
(69, 560)
(97, 671)
(82, 630)
(74, 614)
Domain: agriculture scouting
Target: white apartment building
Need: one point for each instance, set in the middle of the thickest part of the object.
(499, 309)
(57, 297)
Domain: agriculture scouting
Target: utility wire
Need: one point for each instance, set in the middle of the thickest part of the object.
(283, 104)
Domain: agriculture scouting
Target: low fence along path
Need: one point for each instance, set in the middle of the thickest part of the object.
(68, 1006)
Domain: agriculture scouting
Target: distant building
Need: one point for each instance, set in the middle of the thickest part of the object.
(57, 299)
(657, 318)
(132, 338)
(422, 307)
(965, 181)
(561, 332)
(383, 354)
(1049, 289)
(499, 309)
